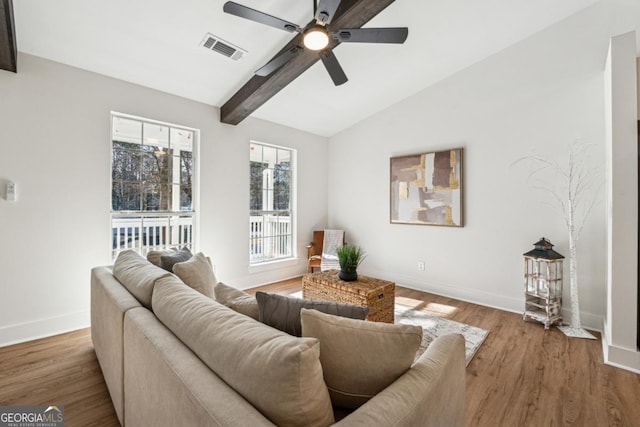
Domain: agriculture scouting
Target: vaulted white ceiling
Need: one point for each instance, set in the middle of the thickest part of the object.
(156, 43)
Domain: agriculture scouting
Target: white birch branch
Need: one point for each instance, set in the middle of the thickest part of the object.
(578, 184)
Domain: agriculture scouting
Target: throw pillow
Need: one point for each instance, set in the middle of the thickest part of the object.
(197, 273)
(168, 261)
(154, 256)
(360, 359)
(283, 312)
(236, 300)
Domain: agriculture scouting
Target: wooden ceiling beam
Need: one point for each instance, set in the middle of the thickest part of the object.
(8, 47)
(258, 90)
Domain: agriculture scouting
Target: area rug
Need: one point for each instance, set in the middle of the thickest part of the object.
(433, 327)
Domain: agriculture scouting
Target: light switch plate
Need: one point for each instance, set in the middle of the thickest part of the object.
(11, 191)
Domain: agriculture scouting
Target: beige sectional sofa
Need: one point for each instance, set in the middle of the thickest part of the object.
(174, 357)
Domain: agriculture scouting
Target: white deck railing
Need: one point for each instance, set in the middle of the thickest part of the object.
(270, 237)
(145, 233)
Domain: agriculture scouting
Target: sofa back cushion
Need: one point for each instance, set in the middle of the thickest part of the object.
(278, 374)
(137, 275)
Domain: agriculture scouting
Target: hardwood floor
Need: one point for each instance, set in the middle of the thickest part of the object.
(60, 370)
(521, 376)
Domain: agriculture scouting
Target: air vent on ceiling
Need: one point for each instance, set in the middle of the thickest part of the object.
(223, 47)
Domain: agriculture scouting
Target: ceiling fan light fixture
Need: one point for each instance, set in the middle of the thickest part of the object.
(316, 38)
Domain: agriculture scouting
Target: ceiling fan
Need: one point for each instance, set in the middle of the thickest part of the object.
(317, 35)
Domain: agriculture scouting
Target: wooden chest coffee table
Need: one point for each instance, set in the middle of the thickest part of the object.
(377, 294)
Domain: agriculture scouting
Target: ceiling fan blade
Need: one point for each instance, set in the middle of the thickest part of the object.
(325, 11)
(333, 67)
(257, 16)
(371, 35)
(278, 61)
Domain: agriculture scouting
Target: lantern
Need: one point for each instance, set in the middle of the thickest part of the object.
(543, 284)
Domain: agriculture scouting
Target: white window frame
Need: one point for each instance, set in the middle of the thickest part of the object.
(256, 264)
(161, 229)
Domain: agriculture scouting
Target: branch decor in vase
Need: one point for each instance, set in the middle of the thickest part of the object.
(349, 257)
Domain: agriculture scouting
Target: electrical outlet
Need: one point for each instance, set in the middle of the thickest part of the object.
(420, 265)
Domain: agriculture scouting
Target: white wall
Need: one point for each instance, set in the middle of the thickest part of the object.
(622, 203)
(55, 145)
(535, 97)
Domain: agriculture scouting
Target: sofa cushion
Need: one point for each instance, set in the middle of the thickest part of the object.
(278, 374)
(197, 272)
(154, 256)
(137, 275)
(236, 300)
(169, 260)
(283, 312)
(359, 358)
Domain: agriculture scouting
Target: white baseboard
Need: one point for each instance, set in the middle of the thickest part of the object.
(41, 328)
(515, 305)
(473, 296)
(620, 357)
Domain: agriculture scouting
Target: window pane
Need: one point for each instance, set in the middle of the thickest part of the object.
(156, 168)
(256, 178)
(127, 130)
(284, 156)
(125, 162)
(266, 248)
(255, 153)
(182, 139)
(281, 171)
(269, 155)
(185, 198)
(282, 186)
(281, 200)
(141, 153)
(186, 167)
(157, 150)
(125, 146)
(156, 197)
(156, 135)
(125, 196)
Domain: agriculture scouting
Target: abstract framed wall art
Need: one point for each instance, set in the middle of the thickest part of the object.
(427, 188)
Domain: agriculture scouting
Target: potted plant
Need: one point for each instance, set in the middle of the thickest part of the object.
(349, 257)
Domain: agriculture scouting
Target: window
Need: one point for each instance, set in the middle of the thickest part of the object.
(270, 203)
(152, 190)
